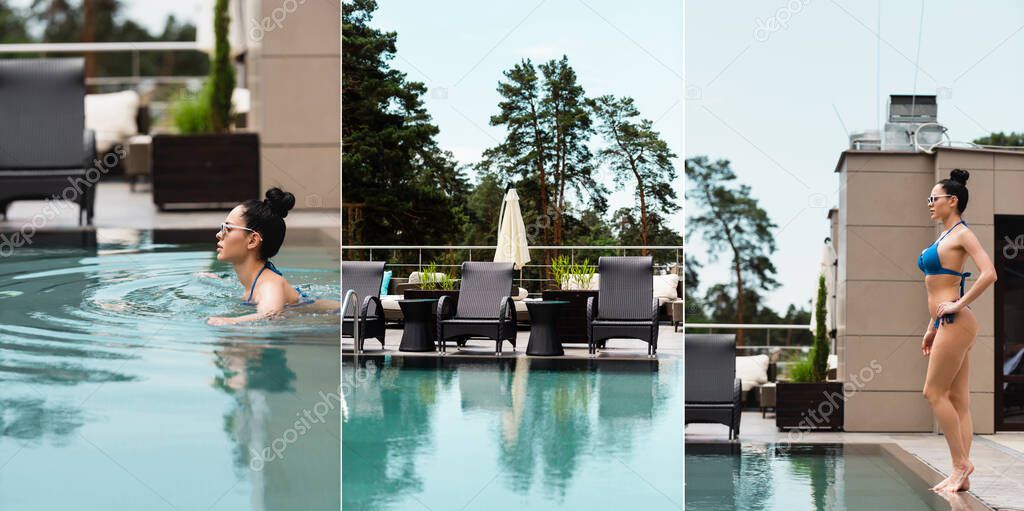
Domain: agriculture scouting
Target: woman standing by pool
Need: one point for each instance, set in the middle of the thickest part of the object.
(952, 327)
(251, 234)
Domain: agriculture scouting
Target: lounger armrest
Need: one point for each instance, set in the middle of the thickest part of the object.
(506, 309)
(737, 392)
(591, 310)
(445, 307)
(88, 148)
(366, 307)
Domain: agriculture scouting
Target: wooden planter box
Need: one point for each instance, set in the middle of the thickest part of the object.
(420, 294)
(205, 170)
(809, 406)
(572, 323)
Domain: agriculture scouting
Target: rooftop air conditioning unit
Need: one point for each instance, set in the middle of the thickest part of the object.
(913, 123)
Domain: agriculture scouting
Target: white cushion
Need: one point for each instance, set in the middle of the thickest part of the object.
(112, 117)
(522, 294)
(571, 284)
(416, 277)
(665, 286)
(752, 371)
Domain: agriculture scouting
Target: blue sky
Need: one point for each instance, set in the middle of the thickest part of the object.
(459, 49)
(767, 100)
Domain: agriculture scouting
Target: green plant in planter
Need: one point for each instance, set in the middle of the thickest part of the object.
(209, 110)
(814, 367)
(447, 283)
(222, 74)
(191, 112)
(583, 273)
(819, 353)
(560, 270)
(428, 277)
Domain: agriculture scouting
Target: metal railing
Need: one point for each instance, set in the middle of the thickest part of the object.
(768, 328)
(396, 255)
(136, 79)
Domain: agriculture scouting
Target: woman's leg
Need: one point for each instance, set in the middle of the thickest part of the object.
(960, 397)
(947, 356)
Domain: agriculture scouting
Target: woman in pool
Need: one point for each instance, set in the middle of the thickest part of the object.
(251, 234)
(952, 327)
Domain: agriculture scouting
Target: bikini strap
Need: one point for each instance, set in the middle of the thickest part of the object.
(268, 265)
(951, 230)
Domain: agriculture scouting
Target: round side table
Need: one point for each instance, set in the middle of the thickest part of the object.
(419, 333)
(544, 338)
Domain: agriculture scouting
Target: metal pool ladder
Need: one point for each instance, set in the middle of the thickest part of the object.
(351, 293)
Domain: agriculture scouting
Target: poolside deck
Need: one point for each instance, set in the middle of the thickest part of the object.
(998, 478)
(118, 207)
(670, 345)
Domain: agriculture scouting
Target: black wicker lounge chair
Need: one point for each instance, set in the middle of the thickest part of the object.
(364, 278)
(712, 388)
(483, 308)
(626, 307)
(46, 151)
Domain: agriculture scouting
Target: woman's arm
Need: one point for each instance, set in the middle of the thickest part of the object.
(270, 303)
(985, 279)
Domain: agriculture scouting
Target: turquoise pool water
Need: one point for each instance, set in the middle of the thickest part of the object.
(115, 394)
(784, 477)
(428, 433)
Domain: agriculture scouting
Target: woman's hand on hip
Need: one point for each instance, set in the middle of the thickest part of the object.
(926, 342)
(948, 308)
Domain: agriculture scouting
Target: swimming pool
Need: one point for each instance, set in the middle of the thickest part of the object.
(853, 477)
(511, 434)
(115, 394)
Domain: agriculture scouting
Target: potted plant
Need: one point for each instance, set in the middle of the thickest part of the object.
(573, 281)
(808, 401)
(433, 286)
(206, 163)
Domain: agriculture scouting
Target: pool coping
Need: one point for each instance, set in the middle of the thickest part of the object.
(909, 465)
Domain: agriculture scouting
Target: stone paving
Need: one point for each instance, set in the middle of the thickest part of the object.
(998, 478)
(118, 207)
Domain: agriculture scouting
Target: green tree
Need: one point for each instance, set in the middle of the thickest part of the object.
(222, 74)
(567, 118)
(636, 153)
(1002, 139)
(13, 27)
(406, 188)
(730, 220)
(630, 231)
(527, 148)
(819, 353)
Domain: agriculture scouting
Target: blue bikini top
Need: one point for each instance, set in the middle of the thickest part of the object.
(930, 264)
(304, 298)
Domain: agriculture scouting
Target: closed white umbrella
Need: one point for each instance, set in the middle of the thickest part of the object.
(513, 246)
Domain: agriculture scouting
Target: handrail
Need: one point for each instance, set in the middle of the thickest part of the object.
(99, 47)
(494, 247)
(767, 327)
(355, 315)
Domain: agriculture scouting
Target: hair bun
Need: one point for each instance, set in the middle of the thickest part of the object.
(960, 176)
(279, 201)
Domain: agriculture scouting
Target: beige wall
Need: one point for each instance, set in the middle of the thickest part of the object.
(882, 308)
(294, 71)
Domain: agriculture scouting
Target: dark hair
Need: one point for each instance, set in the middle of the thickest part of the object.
(956, 186)
(267, 218)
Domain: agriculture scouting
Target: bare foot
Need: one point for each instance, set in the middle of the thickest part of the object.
(959, 477)
(942, 484)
